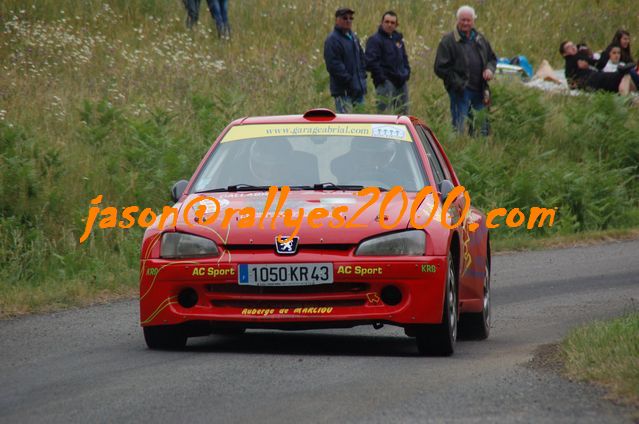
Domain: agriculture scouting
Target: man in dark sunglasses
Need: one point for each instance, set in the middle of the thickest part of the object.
(387, 62)
(344, 59)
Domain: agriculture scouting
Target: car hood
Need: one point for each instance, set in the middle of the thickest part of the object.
(240, 231)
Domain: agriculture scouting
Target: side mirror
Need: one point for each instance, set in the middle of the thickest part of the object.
(445, 187)
(178, 189)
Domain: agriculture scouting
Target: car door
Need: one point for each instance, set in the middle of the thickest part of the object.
(441, 173)
(473, 256)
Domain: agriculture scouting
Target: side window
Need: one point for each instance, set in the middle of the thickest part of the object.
(438, 155)
(438, 171)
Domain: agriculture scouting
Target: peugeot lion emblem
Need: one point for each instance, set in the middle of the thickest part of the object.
(287, 248)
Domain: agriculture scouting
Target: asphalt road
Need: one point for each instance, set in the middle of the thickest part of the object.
(91, 365)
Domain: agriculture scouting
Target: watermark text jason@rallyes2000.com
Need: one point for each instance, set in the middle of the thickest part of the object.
(207, 210)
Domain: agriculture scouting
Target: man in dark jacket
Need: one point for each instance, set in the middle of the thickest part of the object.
(387, 62)
(466, 62)
(344, 59)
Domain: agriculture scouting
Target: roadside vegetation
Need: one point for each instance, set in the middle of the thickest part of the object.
(606, 353)
(118, 98)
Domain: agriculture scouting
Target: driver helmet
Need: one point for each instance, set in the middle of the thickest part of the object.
(373, 154)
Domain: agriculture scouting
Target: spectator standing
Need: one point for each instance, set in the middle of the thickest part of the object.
(466, 62)
(219, 12)
(344, 59)
(621, 40)
(387, 62)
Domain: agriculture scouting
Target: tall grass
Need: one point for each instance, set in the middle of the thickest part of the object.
(118, 98)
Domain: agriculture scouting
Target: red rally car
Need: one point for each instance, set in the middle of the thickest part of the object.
(319, 221)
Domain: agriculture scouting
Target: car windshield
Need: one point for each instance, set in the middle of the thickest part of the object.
(307, 160)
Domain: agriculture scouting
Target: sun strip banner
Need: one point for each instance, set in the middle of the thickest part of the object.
(390, 131)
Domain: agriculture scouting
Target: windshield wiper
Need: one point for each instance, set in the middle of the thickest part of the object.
(318, 186)
(332, 186)
(236, 187)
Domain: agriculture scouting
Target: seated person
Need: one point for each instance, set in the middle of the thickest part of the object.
(580, 74)
(621, 40)
(615, 60)
(583, 49)
(368, 163)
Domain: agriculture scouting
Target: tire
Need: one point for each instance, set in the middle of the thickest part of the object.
(228, 331)
(439, 339)
(164, 337)
(476, 326)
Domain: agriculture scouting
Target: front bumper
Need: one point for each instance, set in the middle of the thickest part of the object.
(356, 296)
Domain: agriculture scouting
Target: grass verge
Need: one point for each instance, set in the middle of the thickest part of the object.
(564, 241)
(606, 353)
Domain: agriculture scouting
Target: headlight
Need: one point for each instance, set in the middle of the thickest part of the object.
(408, 243)
(180, 245)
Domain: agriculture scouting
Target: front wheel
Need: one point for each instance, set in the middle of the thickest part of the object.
(228, 331)
(164, 337)
(476, 326)
(439, 339)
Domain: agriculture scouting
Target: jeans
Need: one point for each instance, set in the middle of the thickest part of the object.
(219, 12)
(345, 104)
(390, 96)
(463, 105)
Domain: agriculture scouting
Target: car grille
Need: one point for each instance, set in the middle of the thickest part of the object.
(233, 295)
(267, 303)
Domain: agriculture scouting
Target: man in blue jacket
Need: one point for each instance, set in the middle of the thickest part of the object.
(387, 62)
(344, 59)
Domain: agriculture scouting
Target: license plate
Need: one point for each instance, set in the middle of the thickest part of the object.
(285, 274)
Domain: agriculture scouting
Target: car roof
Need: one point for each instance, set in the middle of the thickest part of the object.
(323, 115)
